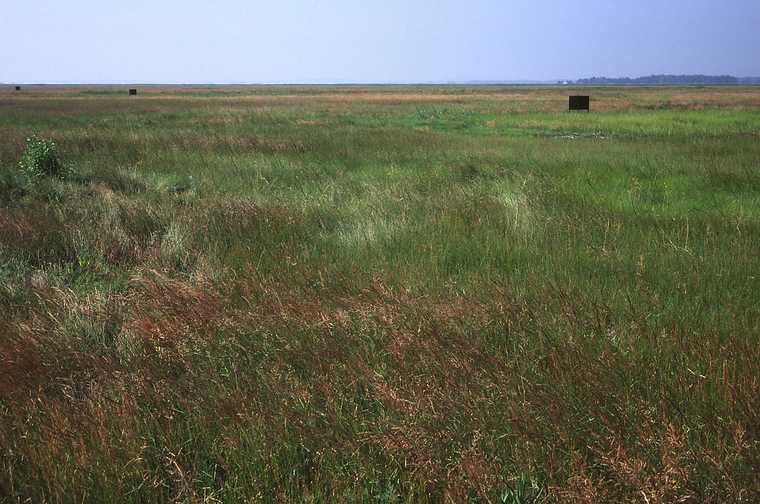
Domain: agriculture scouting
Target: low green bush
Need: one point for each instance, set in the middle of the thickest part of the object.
(41, 159)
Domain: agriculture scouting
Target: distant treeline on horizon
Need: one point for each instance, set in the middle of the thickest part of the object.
(672, 79)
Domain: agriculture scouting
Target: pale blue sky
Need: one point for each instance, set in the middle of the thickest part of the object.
(189, 41)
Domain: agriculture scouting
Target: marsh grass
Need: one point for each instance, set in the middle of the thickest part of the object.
(390, 294)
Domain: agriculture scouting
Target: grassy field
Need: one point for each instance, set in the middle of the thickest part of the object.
(381, 294)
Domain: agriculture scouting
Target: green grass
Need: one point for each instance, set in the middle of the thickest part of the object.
(382, 294)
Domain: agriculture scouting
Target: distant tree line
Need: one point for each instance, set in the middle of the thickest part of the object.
(671, 79)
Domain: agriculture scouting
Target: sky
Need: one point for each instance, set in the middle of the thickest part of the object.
(321, 41)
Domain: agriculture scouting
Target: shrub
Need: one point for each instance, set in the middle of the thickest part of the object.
(40, 159)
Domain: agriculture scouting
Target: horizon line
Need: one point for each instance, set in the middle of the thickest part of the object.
(361, 83)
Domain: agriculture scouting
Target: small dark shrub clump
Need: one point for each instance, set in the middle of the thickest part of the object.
(40, 159)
